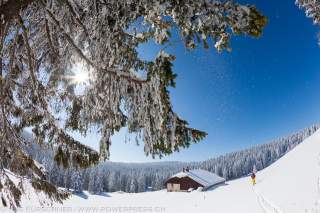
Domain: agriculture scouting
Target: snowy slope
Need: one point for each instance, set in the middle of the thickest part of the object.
(290, 185)
(29, 196)
(293, 182)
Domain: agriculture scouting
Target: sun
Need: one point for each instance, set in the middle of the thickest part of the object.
(80, 75)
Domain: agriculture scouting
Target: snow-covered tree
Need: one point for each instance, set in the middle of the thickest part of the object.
(42, 40)
(67, 178)
(111, 181)
(95, 185)
(142, 184)
(312, 10)
(119, 176)
(254, 169)
(91, 183)
(132, 185)
(99, 180)
(76, 181)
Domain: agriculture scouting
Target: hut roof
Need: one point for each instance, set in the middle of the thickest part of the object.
(202, 177)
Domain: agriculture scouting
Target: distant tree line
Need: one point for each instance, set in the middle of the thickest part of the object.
(138, 177)
(240, 163)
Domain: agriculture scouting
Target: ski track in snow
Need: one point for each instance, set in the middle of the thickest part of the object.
(266, 205)
(317, 203)
(319, 176)
(316, 208)
(319, 185)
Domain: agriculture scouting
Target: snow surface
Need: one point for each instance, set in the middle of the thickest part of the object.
(203, 177)
(290, 185)
(30, 196)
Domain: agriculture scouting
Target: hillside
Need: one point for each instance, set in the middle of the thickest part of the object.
(290, 185)
(136, 177)
(26, 192)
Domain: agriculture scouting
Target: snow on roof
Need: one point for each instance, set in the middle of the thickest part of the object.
(203, 177)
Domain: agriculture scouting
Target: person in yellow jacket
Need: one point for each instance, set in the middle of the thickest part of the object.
(253, 178)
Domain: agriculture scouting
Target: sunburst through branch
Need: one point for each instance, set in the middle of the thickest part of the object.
(80, 75)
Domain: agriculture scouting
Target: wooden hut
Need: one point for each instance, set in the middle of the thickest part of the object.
(188, 180)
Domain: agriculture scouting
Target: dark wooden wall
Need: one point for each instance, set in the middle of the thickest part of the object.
(185, 183)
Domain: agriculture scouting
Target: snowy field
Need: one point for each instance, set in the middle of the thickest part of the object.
(290, 185)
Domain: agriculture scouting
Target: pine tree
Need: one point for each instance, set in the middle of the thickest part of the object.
(67, 178)
(112, 181)
(40, 42)
(76, 181)
(99, 181)
(312, 10)
(142, 182)
(34, 30)
(254, 169)
(133, 185)
(91, 183)
(95, 185)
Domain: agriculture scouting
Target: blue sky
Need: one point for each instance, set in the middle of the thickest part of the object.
(264, 89)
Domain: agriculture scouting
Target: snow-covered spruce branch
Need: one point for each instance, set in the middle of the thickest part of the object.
(80, 53)
(41, 40)
(312, 9)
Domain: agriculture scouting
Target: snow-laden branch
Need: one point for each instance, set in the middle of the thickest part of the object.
(41, 40)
